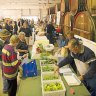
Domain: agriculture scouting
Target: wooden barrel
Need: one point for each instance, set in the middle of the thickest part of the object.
(94, 20)
(62, 6)
(83, 25)
(67, 22)
(91, 6)
(65, 7)
(73, 6)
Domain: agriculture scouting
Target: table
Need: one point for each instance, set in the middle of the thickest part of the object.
(39, 40)
(32, 86)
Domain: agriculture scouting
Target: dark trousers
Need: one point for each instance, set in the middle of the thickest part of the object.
(91, 85)
(12, 87)
(50, 38)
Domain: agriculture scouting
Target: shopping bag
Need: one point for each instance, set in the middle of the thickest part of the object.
(29, 69)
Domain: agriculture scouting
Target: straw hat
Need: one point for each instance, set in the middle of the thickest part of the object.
(4, 33)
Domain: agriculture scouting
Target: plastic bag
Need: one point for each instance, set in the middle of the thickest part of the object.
(29, 69)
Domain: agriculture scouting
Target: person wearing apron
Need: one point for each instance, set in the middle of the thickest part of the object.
(85, 62)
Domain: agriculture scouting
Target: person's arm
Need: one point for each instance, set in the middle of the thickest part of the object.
(64, 62)
(13, 60)
(20, 50)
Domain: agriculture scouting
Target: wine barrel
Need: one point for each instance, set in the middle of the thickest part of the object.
(83, 25)
(62, 6)
(65, 7)
(73, 6)
(67, 22)
(62, 11)
(91, 6)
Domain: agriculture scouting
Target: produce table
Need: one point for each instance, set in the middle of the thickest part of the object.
(32, 87)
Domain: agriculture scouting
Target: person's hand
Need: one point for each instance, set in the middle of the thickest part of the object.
(26, 51)
(81, 77)
(56, 69)
(66, 47)
(25, 55)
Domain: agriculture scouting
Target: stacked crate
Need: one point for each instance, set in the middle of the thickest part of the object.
(52, 84)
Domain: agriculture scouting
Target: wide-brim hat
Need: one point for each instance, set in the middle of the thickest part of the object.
(4, 33)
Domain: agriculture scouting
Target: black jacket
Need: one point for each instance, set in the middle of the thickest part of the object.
(27, 31)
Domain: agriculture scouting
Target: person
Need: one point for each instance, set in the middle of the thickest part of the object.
(15, 28)
(50, 28)
(22, 46)
(64, 47)
(27, 31)
(69, 36)
(32, 25)
(7, 25)
(58, 29)
(63, 40)
(11, 64)
(4, 39)
(85, 61)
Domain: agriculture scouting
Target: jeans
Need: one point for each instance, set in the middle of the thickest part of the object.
(5, 84)
(91, 85)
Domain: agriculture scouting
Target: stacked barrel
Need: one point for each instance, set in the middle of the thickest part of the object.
(76, 16)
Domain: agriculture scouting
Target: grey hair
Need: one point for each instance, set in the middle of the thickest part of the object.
(75, 42)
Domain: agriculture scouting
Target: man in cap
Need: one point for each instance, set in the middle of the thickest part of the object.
(4, 39)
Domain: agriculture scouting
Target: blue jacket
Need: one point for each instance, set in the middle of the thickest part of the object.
(84, 57)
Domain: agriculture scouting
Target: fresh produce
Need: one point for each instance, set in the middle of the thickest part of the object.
(49, 61)
(49, 47)
(47, 68)
(50, 77)
(52, 86)
(44, 55)
(40, 49)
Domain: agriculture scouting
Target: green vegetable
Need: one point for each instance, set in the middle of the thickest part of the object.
(53, 86)
(50, 77)
(47, 68)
